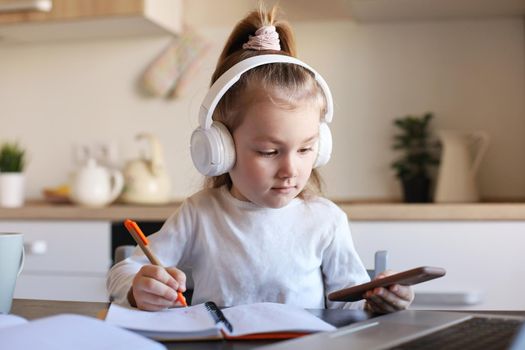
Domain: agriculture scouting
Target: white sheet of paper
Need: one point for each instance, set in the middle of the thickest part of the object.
(11, 320)
(66, 332)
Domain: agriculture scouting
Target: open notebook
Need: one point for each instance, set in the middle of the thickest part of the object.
(207, 321)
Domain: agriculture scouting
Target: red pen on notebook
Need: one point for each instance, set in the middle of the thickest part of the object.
(142, 241)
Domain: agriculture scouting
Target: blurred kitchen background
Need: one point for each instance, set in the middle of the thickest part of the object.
(73, 79)
(462, 60)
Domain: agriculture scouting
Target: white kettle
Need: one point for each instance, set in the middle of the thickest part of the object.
(95, 186)
(461, 156)
(146, 178)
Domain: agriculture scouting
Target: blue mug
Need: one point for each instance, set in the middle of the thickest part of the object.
(11, 264)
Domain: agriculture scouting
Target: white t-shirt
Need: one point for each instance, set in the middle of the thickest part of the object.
(241, 253)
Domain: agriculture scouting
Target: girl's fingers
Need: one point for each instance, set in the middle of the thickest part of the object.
(151, 286)
(179, 277)
(160, 274)
(379, 306)
(391, 299)
(387, 308)
(387, 300)
(152, 302)
(145, 305)
(155, 288)
(404, 292)
(371, 306)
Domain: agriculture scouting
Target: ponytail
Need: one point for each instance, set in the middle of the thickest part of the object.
(233, 51)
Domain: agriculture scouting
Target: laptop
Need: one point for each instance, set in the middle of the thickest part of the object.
(419, 329)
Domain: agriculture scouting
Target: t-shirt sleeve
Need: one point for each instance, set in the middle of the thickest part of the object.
(341, 265)
(168, 244)
(172, 243)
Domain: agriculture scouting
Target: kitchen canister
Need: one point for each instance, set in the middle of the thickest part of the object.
(12, 189)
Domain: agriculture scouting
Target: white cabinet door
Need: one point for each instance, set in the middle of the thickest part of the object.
(65, 260)
(485, 261)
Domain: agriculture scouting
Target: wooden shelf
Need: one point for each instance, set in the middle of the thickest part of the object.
(40, 210)
(91, 19)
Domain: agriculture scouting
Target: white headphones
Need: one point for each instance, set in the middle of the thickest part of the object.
(212, 147)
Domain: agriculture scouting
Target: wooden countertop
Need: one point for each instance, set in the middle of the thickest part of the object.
(356, 211)
(434, 211)
(42, 210)
(31, 309)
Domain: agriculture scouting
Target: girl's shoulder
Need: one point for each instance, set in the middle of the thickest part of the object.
(199, 203)
(204, 197)
(319, 200)
(323, 216)
(324, 207)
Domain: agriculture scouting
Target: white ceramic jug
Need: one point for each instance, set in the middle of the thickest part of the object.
(96, 186)
(147, 179)
(461, 157)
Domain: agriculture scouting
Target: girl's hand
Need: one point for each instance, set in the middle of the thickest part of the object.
(384, 300)
(155, 288)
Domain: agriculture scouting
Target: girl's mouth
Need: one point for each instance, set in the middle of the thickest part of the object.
(283, 189)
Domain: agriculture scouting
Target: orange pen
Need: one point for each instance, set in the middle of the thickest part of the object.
(142, 241)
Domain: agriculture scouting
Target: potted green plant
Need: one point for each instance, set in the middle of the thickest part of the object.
(12, 179)
(413, 167)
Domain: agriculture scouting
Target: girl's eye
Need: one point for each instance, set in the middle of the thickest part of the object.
(305, 150)
(267, 153)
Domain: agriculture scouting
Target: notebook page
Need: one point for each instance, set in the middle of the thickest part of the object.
(272, 317)
(177, 320)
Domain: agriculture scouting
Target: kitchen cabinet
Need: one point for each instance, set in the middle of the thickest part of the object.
(359, 10)
(485, 260)
(65, 260)
(88, 19)
(403, 10)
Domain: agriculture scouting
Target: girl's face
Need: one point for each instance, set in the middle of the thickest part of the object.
(276, 149)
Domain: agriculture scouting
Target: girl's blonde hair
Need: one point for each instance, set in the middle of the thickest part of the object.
(286, 85)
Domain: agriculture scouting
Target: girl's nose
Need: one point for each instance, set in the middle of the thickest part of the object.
(287, 167)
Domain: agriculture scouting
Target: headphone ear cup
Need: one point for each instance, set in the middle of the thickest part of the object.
(324, 150)
(212, 150)
(227, 148)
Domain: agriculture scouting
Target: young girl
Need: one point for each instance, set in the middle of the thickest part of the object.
(259, 231)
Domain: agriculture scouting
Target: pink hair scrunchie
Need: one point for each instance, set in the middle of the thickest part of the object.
(265, 38)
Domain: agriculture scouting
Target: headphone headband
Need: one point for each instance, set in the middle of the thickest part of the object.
(232, 75)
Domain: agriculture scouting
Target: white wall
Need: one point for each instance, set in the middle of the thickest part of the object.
(482, 259)
(471, 74)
